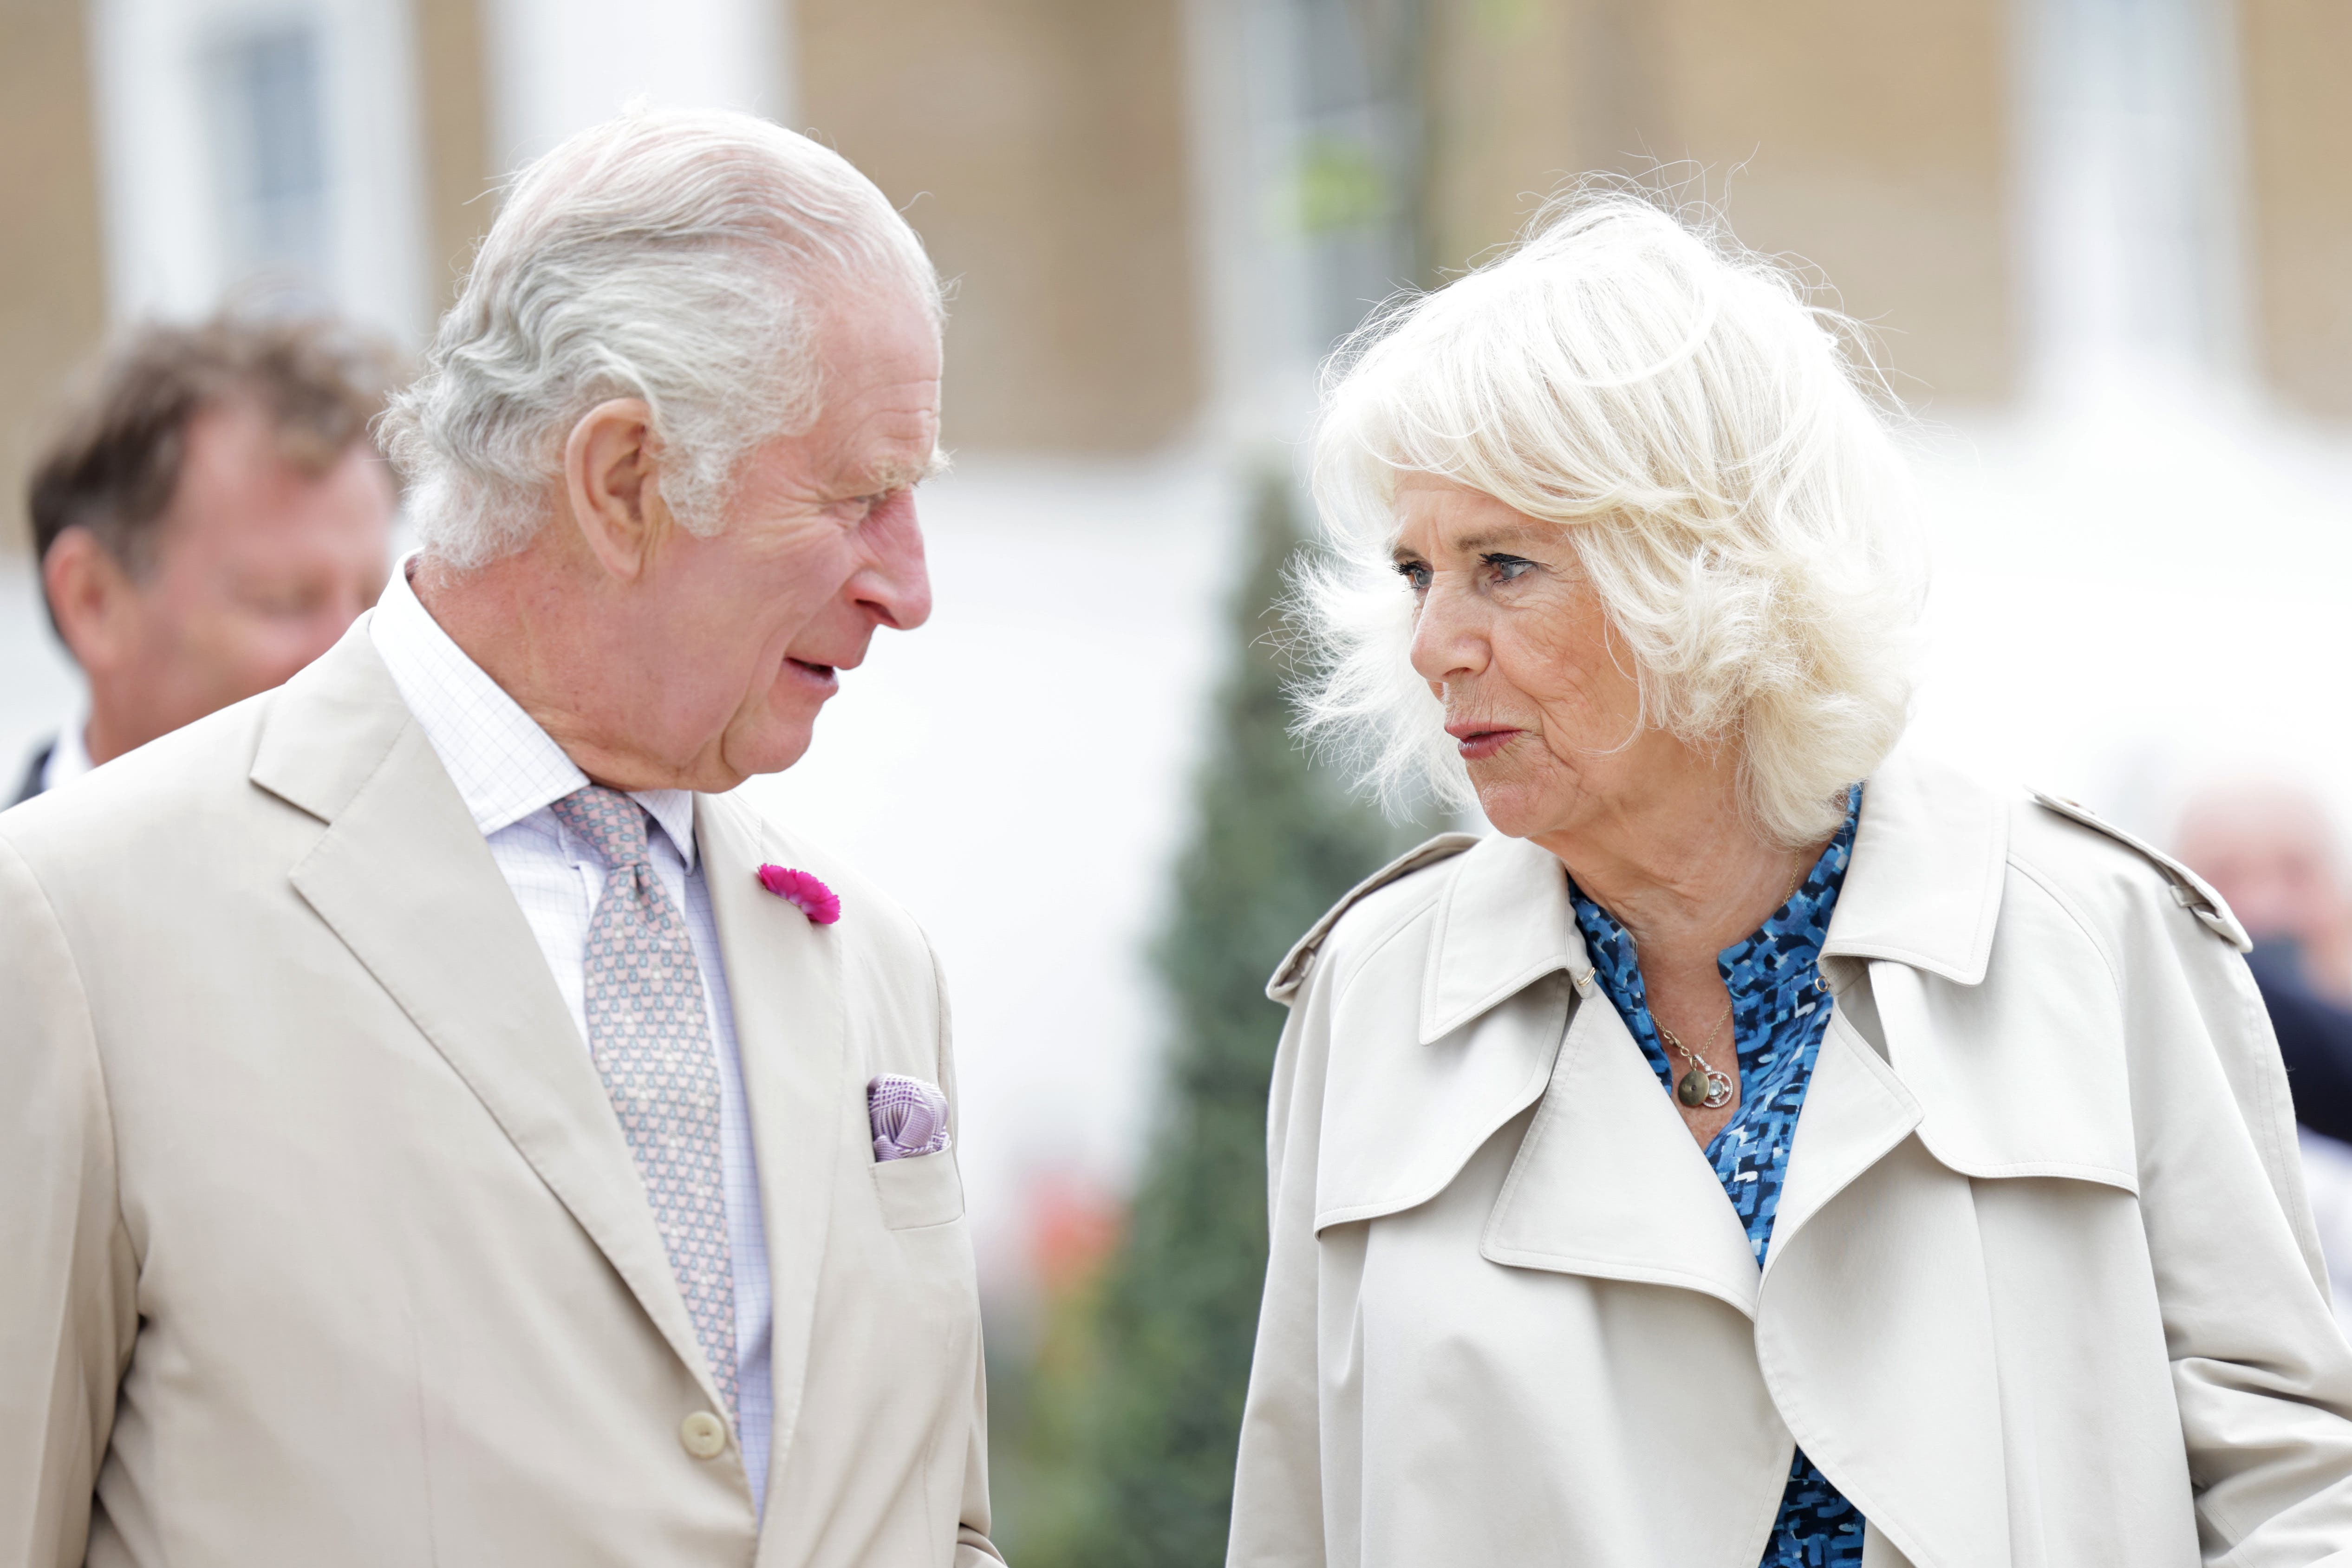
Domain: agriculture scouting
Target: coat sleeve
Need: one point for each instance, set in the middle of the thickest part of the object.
(1278, 1521)
(972, 1548)
(68, 1308)
(2260, 1368)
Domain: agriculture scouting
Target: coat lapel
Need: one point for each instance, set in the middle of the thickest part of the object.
(1610, 1183)
(784, 974)
(1874, 1326)
(1856, 1110)
(1607, 1182)
(404, 877)
(1921, 898)
(1874, 1320)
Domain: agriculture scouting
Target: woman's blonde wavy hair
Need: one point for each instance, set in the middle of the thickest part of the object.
(1720, 451)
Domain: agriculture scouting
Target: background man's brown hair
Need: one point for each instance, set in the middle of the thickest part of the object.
(116, 458)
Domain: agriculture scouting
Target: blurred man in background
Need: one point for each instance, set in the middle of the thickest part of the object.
(2269, 850)
(210, 518)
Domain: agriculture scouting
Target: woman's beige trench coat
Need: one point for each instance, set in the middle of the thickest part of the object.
(2043, 1290)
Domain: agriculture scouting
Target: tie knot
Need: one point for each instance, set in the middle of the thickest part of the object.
(613, 824)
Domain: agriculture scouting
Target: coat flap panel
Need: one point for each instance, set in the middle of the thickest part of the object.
(1401, 1119)
(1874, 1330)
(2016, 1080)
(1610, 1183)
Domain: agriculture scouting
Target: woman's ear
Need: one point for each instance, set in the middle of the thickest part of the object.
(612, 472)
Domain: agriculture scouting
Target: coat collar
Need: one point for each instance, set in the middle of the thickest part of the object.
(1929, 858)
(1503, 923)
(331, 728)
(1924, 889)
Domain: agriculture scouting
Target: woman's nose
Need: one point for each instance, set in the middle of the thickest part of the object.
(1448, 643)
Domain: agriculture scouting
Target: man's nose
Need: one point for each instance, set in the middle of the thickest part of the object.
(895, 588)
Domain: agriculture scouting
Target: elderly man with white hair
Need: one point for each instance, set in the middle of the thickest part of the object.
(438, 1123)
(1769, 1147)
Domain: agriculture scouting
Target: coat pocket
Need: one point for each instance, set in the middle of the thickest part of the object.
(927, 1189)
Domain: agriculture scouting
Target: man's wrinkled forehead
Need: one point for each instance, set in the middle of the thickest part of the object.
(878, 425)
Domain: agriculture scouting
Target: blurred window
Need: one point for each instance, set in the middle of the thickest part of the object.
(1356, 167)
(271, 155)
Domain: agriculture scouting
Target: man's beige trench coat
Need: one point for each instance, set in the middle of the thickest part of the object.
(2043, 1290)
(319, 1243)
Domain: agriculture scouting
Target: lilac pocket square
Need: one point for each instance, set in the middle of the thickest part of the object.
(909, 1117)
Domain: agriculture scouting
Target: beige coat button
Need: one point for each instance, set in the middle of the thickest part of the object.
(704, 1435)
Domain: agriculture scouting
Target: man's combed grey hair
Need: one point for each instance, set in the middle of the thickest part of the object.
(1699, 430)
(679, 257)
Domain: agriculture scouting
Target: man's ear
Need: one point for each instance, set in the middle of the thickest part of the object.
(93, 598)
(612, 472)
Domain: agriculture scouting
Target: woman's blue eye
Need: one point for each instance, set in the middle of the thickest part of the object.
(1509, 568)
(1415, 573)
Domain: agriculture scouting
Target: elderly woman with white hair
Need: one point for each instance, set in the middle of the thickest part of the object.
(1768, 1148)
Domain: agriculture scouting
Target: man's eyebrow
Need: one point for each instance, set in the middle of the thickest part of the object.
(896, 474)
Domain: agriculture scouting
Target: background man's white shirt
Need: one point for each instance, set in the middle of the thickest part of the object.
(68, 753)
(509, 771)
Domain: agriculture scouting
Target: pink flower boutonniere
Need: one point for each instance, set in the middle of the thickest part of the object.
(804, 891)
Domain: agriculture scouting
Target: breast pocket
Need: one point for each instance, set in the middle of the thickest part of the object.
(927, 1189)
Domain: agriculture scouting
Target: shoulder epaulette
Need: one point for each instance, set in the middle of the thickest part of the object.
(2191, 891)
(1293, 968)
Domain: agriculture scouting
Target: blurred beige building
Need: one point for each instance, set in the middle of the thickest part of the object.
(1160, 211)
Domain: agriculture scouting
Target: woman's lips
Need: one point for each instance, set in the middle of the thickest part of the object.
(1478, 741)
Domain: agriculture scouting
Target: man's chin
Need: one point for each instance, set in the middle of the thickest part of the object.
(781, 740)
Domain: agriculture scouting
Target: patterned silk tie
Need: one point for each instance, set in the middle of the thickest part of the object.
(650, 1036)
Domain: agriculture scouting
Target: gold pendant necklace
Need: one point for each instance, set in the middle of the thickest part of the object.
(1702, 1088)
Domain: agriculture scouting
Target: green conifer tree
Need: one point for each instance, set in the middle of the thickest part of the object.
(1275, 839)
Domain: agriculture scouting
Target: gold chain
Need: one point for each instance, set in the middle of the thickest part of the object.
(1703, 1087)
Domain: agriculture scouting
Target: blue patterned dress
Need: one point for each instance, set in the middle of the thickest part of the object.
(1780, 1011)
